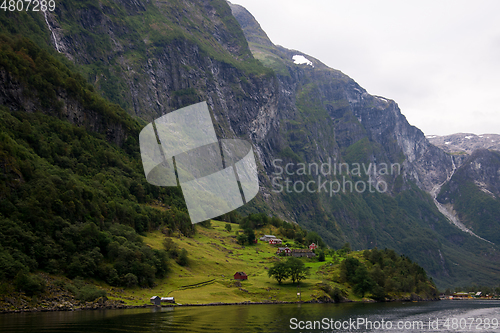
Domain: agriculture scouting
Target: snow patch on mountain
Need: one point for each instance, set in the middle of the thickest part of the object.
(300, 60)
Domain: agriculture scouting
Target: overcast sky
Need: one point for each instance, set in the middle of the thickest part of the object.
(439, 60)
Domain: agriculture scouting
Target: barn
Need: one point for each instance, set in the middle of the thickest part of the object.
(303, 253)
(267, 238)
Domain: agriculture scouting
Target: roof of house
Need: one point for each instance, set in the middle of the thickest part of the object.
(241, 273)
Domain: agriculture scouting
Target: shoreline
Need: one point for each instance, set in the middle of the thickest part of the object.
(97, 306)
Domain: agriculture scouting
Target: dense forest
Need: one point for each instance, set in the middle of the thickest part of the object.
(71, 202)
(383, 272)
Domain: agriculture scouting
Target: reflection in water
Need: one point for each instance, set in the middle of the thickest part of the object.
(262, 318)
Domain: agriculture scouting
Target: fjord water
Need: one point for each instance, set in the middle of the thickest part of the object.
(263, 318)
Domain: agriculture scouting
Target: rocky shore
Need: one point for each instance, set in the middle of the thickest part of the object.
(10, 305)
(105, 304)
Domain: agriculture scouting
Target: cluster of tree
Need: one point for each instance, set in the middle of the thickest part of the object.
(285, 229)
(56, 177)
(292, 268)
(247, 237)
(384, 272)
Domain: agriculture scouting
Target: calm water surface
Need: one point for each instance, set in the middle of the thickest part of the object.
(444, 316)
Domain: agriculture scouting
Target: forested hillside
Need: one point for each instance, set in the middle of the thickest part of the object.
(72, 202)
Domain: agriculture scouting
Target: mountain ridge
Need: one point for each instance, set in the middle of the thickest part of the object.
(465, 143)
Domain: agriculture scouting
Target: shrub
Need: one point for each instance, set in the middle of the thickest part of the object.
(338, 294)
(130, 280)
(90, 293)
(30, 284)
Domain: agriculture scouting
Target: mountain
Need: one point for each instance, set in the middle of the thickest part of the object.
(465, 142)
(473, 194)
(151, 57)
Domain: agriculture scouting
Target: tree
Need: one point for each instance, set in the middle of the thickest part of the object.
(348, 268)
(250, 236)
(183, 258)
(298, 271)
(378, 293)
(377, 275)
(206, 224)
(321, 256)
(130, 280)
(228, 227)
(363, 282)
(346, 248)
(280, 271)
(242, 239)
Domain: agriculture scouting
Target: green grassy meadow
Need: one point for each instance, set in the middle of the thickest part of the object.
(215, 255)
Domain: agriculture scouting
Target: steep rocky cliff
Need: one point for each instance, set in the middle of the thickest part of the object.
(17, 94)
(473, 194)
(152, 57)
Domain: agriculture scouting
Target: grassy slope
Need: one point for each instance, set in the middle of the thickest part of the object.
(214, 254)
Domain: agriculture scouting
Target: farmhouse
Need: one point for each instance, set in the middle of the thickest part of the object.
(275, 241)
(240, 276)
(313, 246)
(284, 250)
(266, 238)
(303, 253)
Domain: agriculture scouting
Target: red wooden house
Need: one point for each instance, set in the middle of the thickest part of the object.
(240, 276)
(313, 246)
(285, 250)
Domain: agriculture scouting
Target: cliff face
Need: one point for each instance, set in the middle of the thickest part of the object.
(152, 57)
(19, 95)
(473, 194)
